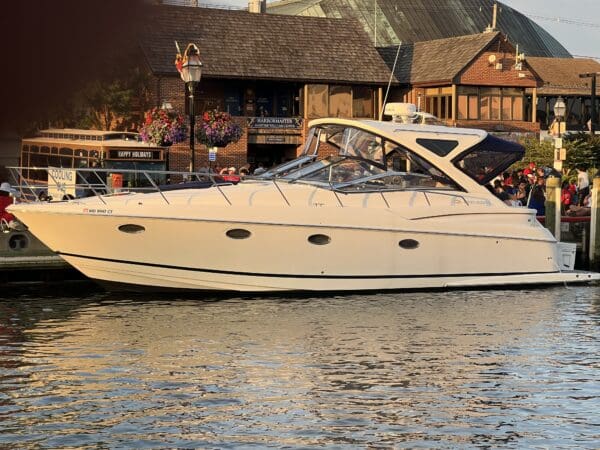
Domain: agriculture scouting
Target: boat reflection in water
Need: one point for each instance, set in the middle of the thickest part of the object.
(442, 369)
(368, 205)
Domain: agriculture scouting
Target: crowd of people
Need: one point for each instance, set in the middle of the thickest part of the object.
(527, 187)
(234, 175)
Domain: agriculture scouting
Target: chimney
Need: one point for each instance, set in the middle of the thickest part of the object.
(257, 6)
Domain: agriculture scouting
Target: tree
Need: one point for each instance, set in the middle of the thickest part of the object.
(540, 153)
(114, 105)
(582, 150)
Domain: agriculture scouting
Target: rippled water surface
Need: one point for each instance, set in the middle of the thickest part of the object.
(513, 369)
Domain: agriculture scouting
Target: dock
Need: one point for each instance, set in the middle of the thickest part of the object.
(24, 258)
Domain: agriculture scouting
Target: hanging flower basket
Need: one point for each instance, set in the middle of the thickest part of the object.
(216, 129)
(163, 128)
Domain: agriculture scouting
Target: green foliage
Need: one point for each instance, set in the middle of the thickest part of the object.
(117, 104)
(582, 149)
(541, 153)
(105, 103)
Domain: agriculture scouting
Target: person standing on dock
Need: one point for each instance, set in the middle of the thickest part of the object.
(583, 184)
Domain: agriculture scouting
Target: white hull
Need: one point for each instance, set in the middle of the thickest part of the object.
(195, 253)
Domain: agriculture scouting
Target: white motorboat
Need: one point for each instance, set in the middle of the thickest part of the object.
(368, 205)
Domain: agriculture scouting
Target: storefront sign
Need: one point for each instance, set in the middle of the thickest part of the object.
(135, 154)
(61, 183)
(289, 139)
(275, 122)
(275, 139)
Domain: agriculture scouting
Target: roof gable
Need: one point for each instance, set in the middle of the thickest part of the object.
(239, 44)
(440, 60)
(561, 75)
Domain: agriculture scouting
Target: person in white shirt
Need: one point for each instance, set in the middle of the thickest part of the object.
(583, 184)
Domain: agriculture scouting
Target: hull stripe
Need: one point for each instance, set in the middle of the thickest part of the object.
(285, 275)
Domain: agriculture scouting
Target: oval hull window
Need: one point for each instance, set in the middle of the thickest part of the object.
(131, 228)
(319, 239)
(408, 244)
(238, 233)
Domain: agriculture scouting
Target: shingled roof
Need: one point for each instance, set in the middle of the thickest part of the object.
(561, 75)
(439, 60)
(239, 44)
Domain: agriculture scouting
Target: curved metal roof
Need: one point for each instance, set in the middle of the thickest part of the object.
(389, 22)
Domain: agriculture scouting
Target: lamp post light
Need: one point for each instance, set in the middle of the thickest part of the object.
(191, 72)
(559, 111)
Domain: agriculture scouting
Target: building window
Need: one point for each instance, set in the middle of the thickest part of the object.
(490, 103)
(233, 101)
(363, 102)
(340, 101)
(318, 101)
(438, 101)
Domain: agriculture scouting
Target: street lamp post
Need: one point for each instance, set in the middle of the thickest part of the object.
(559, 113)
(553, 184)
(191, 72)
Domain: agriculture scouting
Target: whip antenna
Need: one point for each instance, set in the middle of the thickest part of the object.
(387, 91)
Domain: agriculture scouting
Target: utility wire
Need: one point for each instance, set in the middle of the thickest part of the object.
(564, 20)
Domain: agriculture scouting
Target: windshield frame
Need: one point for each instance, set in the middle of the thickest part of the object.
(346, 143)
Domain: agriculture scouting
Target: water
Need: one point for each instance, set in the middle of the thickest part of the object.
(466, 369)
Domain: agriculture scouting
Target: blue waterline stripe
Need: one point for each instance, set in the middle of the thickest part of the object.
(286, 275)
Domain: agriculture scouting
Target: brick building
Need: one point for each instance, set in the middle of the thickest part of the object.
(475, 81)
(270, 72)
(275, 72)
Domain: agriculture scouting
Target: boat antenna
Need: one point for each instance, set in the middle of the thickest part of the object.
(387, 91)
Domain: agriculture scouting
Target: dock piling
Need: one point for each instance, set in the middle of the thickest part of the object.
(595, 225)
(552, 206)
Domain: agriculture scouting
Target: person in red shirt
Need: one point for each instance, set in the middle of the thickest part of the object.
(5, 201)
(566, 196)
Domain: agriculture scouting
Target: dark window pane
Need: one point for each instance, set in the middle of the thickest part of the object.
(440, 147)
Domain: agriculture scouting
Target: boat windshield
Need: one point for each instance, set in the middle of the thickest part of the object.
(488, 159)
(342, 156)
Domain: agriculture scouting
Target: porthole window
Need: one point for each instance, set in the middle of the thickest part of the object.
(238, 233)
(319, 239)
(408, 244)
(131, 228)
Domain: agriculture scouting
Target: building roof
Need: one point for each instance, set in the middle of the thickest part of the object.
(389, 22)
(239, 44)
(561, 75)
(440, 60)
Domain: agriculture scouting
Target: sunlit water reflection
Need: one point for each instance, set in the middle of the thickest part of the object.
(512, 368)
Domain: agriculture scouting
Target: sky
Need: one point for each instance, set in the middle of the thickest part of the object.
(581, 38)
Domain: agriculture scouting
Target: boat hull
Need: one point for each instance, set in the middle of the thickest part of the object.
(128, 276)
(198, 253)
